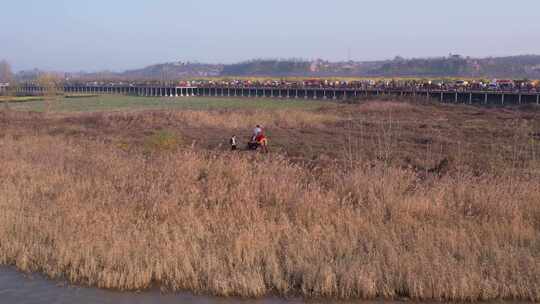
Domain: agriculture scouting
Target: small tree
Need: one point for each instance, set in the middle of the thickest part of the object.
(6, 76)
(5, 72)
(50, 84)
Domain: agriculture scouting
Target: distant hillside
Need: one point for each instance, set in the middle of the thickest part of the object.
(267, 68)
(525, 66)
(163, 72)
(175, 70)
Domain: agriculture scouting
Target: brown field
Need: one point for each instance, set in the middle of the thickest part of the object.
(377, 200)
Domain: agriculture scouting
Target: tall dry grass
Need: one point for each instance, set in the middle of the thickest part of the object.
(229, 119)
(231, 224)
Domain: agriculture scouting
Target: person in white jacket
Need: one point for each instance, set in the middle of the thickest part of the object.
(234, 143)
(256, 132)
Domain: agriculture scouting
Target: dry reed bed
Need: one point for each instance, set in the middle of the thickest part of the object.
(228, 119)
(224, 224)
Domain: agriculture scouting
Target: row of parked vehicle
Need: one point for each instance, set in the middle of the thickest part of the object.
(382, 84)
(455, 85)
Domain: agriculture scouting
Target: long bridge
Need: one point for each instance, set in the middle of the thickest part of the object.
(324, 93)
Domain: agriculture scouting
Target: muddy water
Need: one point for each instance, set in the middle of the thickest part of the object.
(19, 288)
(33, 289)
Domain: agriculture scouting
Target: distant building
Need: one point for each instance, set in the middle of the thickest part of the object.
(3, 87)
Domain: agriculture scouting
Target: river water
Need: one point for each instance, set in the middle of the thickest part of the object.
(19, 288)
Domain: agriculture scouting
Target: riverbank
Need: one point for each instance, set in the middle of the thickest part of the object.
(16, 287)
(100, 200)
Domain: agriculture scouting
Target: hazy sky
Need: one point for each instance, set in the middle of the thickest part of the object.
(120, 34)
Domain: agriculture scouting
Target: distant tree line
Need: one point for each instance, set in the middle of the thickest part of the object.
(526, 66)
(270, 67)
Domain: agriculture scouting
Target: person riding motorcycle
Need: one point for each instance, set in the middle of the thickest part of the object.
(257, 132)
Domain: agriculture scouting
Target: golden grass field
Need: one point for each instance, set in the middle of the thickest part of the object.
(381, 199)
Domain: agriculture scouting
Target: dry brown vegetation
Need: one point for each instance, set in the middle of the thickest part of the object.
(356, 201)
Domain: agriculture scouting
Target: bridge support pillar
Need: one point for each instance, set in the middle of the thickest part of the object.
(538, 99)
(519, 99)
(456, 98)
(486, 98)
(470, 98)
(442, 97)
(502, 102)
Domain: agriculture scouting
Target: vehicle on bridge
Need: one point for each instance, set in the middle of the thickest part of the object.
(505, 84)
